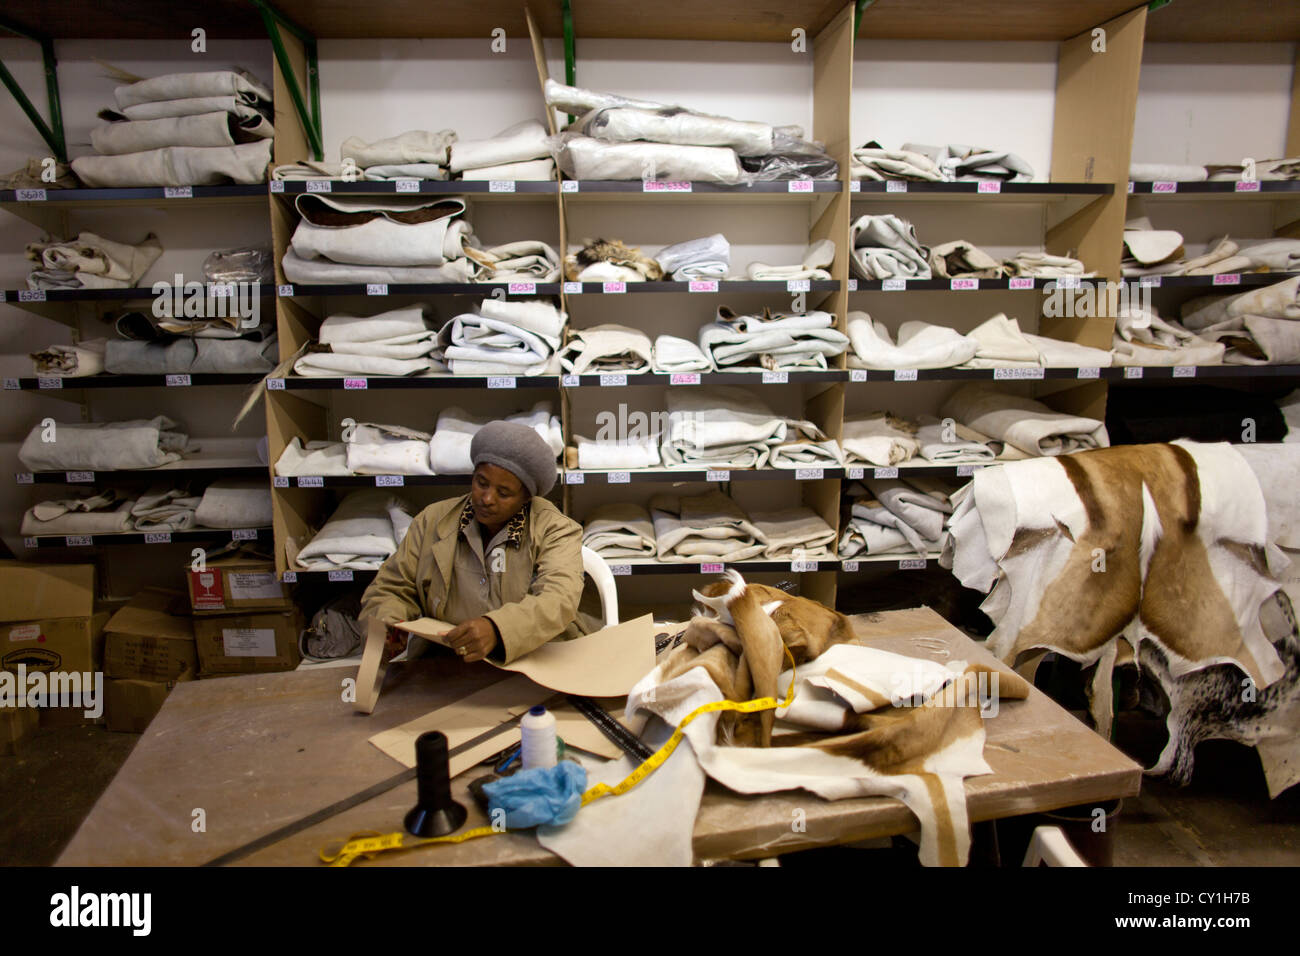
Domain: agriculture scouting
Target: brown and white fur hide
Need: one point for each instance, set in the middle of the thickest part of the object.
(614, 251)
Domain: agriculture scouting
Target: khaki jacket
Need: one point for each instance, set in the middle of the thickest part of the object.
(541, 586)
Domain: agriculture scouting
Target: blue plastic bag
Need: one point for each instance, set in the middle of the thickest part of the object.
(540, 795)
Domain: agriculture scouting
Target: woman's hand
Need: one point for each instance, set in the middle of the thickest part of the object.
(473, 639)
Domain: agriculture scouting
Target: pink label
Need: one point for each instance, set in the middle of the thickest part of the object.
(1228, 278)
(1020, 282)
(523, 288)
(801, 186)
(712, 568)
(655, 187)
(354, 383)
(613, 287)
(963, 285)
(702, 285)
(685, 378)
(989, 187)
(1163, 187)
(1247, 187)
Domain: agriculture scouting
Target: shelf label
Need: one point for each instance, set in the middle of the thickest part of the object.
(78, 540)
(178, 192)
(569, 186)
(966, 471)
(275, 384)
(284, 291)
(1251, 186)
(319, 186)
(377, 288)
(613, 380)
(177, 381)
(651, 186)
(78, 477)
(798, 285)
(311, 481)
(280, 481)
(406, 185)
(1184, 371)
(23, 477)
(988, 186)
(221, 290)
(887, 472)
(501, 185)
(1228, 278)
(390, 481)
(1164, 187)
(620, 569)
(893, 285)
(963, 285)
(522, 288)
(799, 186)
(717, 476)
(702, 285)
(289, 577)
(158, 537)
(344, 575)
(800, 566)
(855, 186)
(712, 568)
(29, 195)
(618, 477)
(849, 565)
(30, 543)
(1004, 374)
(1020, 282)
(501, 381)
(31, 295)
(857, 375)
(573, 288)
(895, 186)
(51, 381)
(854, 474)
(853, 285)
(571, 381)
(809, 474)
(912, 564)
(1133, 371)
(684, 378)
(775, 378)
(575, 478)
(277, 185)
(355, 384)
(613, 288)
(905, 375)
(1130, 186)
(1150, 282)
(1067, 282)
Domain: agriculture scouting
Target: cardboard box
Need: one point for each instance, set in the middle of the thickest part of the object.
(54, 644)
(16, 724)
(35, 592)
(248, 643)
(233, 585)
(132, 704)
(151, 638)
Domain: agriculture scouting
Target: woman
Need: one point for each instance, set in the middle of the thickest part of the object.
(502, 563)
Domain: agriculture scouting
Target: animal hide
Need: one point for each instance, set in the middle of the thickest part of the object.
(861, 721)
(1166, 544)
(629, 264)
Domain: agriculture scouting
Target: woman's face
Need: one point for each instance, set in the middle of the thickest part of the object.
(496, 495)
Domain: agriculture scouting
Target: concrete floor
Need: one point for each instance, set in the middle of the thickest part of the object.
(1224, 818)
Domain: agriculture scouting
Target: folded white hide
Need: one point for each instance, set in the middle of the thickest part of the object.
(324, 272)
(950, 444)
(98, 514)
(235, 503)
(606, 348)
(103, 446)
(886, 247)
(874, 163)
(920, 345)
(1165, 173)
(164, 508)
(414, 146)
(620, 530)
(725, 427)
(94, 262)
(366, 528)
(316, 458)
(619, 454)
(518, 143)
(1280, 255)
(449, 447)
(1278, 301)
(532, 171)
(672, 354)
(773, 342)
(582, 157)
(180, 86)
(527, 260)
(381, 231)
(241, 105)
(1023, 422)
(1143, 338)
(71, 361)
(178, 166)
(205, 129)
(999, 343)
(793, 533)
(624, 124)
(878, 438)
(706, 258)
(817, 258)
(385, 449)
(1041, 264)
(707, 528)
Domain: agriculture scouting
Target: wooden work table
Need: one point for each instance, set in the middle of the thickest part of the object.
(259, 751)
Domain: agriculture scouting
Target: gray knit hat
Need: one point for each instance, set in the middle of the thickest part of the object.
(519, 450)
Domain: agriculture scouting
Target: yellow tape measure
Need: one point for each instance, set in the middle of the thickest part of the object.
(371, 842)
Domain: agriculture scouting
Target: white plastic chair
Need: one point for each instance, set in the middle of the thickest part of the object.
(1049, 845)
(596, 568)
